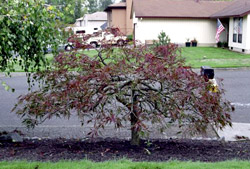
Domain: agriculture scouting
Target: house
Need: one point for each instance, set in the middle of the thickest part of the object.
(189, 19)
(180, 19)
(238, 14)
(94, 20)
(119, 16)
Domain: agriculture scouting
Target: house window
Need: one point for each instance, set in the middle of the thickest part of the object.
(238, 30)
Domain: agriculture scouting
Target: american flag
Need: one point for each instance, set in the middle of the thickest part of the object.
(220, 28)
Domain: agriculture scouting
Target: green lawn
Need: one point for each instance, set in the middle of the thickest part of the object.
(214, 57)
(209, 56)
(125, 164)
(196, 57)
(90, 53)
(18, 68)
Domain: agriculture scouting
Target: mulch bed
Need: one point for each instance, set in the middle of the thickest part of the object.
(114, 149)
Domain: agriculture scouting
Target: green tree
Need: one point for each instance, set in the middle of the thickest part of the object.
(27, 29)
(78, 9)
(163, 39)
(140, 87)
(71, 9)
(95, 5)
(92, 6)
(104, 3)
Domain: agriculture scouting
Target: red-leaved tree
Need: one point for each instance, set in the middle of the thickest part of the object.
(142, 85)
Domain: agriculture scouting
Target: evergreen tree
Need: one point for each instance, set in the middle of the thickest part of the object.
(78, 9)
(98, 5)
(104, 3)
(92, 6)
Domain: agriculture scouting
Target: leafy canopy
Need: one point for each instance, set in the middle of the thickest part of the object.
(71, 9)
(27, 27)
(97, 5)
(137, 86)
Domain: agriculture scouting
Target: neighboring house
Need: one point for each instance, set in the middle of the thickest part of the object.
(119, 15)
(94, 20)
(238, 14)
(180, 19)
(189, 19)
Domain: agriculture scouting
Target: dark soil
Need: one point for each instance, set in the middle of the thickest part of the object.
(114, 149)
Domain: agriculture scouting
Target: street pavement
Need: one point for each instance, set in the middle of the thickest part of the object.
(236, 83)
(237, 86)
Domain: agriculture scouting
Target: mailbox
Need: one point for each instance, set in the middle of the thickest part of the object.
(207, 72)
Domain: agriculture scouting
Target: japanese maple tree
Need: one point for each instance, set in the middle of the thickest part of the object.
(141, 85)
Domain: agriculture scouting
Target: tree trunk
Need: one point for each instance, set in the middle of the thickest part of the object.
(135, 138)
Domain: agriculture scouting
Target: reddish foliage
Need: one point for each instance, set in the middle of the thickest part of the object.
(142, 85)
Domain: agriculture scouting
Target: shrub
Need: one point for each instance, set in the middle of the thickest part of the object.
(225, 44)
(163, 39)
(140, 85)
(130, 38)
(219, 44)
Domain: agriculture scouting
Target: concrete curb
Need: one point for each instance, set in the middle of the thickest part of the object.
(197, 70)
(78, 132)
(238, 131)
(237, 68)
(14, 74)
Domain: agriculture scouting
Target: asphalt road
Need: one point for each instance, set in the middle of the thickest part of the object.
(236, 83)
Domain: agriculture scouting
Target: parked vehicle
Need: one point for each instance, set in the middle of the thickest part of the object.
(106, 37)
(85, 30)
(85, 41)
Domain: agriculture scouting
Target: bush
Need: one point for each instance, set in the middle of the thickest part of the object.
(130, 38)
(140, 85)
(225, 44)
(219, 44)
(163, 39)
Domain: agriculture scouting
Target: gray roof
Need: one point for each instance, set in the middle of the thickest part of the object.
(119, 5)
(237, 8)
(104, 26)
(177, 8)
(97, 16)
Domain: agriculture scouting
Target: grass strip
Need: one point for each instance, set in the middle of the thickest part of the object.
(123, 164)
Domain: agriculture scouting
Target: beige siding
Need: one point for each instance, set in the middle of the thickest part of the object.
(119, 19)
(179, 30)
(129, 21)
(109, 16)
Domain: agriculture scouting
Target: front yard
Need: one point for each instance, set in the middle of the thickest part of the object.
(209, 56)
(195, 57)
(214, 57)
